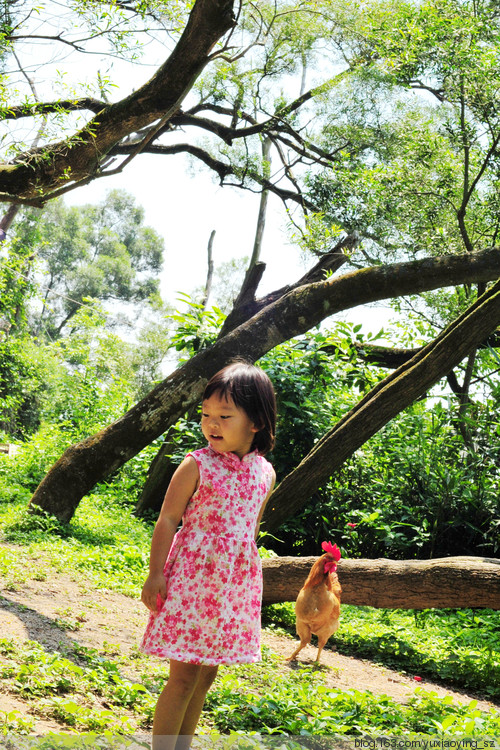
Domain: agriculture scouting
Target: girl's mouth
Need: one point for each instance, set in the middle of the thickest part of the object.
(216, 437)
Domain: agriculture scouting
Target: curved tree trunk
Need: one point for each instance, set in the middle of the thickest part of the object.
(96, 457)
(396, 584)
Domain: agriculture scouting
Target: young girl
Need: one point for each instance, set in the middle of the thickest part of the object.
(204, 588)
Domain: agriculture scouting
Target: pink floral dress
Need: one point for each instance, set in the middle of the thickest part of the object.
(214, 575)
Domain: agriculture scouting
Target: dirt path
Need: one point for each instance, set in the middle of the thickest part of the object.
(103, 617)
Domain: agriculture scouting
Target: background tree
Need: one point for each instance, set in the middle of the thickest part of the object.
(346, 156)
(227, 280)
(94, 251)
(297, 311)
(59, 270)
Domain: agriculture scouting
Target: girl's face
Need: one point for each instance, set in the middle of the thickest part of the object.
(227, 428)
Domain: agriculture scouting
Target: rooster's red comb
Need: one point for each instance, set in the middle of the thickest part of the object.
(332, 550)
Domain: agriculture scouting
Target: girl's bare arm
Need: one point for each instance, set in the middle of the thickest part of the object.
(181, 488)
(273, 482)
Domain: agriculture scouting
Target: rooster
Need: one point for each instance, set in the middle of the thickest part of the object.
(317, 609)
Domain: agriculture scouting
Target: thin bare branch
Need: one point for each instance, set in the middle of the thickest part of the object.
(223, 170)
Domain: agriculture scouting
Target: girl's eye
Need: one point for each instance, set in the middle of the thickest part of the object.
(223, 416)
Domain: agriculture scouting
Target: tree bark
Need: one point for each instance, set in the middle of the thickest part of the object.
(158, 478)
(96, 457)
(78, 158)
(7, 219)
(384, 402)
(246, 306)
(396, 584)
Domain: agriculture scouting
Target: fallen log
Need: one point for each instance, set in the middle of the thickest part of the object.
(455, 582)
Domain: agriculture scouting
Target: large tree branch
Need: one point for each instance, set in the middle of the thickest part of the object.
(276, 121)
(382, 356)
(275, 124)
(276, 127)
(217, 166)
(391, 357)
(247, 306)
(83, 465)
(36, 174)
(385, 401)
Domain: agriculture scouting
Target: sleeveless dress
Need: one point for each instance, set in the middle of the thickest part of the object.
(213, 571)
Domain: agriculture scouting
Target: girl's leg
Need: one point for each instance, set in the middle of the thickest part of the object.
(173, 702)
(193, 711)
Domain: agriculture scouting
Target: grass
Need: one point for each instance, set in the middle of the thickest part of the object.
(86, 692)
(104, 541)
(90, 690)
(253, 699)
(89, 693)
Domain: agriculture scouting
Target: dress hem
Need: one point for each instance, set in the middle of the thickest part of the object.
(197, 660)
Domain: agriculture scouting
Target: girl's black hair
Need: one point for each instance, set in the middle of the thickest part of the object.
(251, 390)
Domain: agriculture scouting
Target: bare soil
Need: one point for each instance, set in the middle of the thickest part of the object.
(38, 611)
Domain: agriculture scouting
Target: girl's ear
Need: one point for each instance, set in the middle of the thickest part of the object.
(256, 428)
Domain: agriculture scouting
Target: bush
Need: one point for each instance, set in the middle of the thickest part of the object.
(412, 491)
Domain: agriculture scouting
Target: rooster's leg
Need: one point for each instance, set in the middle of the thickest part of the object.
(320, 649)
(304, 633)
(324, 635)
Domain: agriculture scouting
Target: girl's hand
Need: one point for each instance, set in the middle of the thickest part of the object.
(154, 592)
